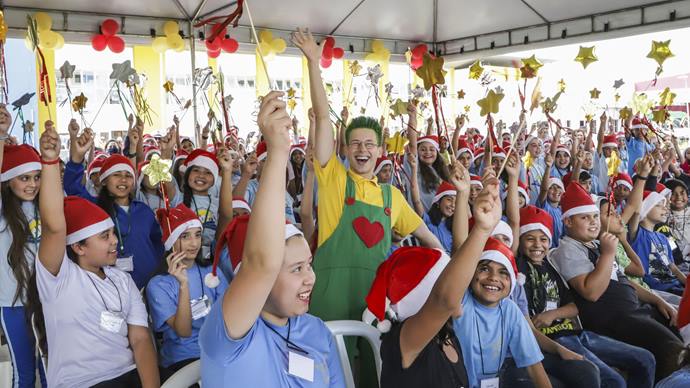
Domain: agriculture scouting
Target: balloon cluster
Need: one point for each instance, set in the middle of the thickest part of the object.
(172, 39)
(108, 38)
(221, 42)
(269, 47)
(416, 58)
(47, 39)
(329, 52)
(379, 54)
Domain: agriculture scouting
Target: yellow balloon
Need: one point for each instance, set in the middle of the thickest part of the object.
(160, 44)
(264, 48)
(175, 41)
(60, 41)
(180, 48)
(43, 21)
(171, 28)
(377, 45)
(47, 39)
(278, 45)
(265, 36)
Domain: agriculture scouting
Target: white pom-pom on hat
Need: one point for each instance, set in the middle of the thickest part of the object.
(211, 280)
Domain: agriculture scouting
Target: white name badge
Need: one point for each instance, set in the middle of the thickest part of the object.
(489, 383)
(125, 263)
(113, 322)
(302, 367)
(551, 305)
(200, 307)
(614, 271)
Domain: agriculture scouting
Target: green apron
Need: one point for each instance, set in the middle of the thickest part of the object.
(346, 263)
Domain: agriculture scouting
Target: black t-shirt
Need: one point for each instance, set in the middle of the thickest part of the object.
(545, 291)
(431, 368)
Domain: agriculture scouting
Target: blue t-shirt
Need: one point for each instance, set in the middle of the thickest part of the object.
(250, 195)
(227, 361)
(636, 150)
(555, 213)
(488, 334)
(162, 294)
(441, 231)
(655, 253)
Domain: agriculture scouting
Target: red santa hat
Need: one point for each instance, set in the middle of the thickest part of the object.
(610, 141)
(240, 203)
(478, 153)
(95, 166)
(622, 179)
(149, 139)
(498, 252)
(150, 150)
(562, 148)
(233, 237)
(464, 146)
(432, 139)
(19, 160)
(115, 163)
(261, 151)
(530, 139)
(650, 199)
(637, 123)
(402, 284)
(175, 222)
(84, 219)
(557, 182)
(181, 155)
(522, 189)
(186, 138)
(443, 190)
(297, 148)
(620, 135)
(498, 152)
(534, 218)
(683, 317)
(205, 159)
(576, 200)
(381, 163)
(663, 190)
(502, 228)
(476, 180)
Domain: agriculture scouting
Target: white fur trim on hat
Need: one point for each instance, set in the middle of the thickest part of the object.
(84, 233)
(521, 190)
(115, 168)
(381, 165)
(638, 126)
(503, 228)
(557, 182)
(612, 145)
(175, 234)
(19, 170)
(241, 204)
(205, 162)
(652, 200)
(536, 226)
(563, 149)
(498, 155)
(498, 257)
(415, 299)
(463, 150)
(623, 182)
(291, 231)
(442, 194)
(430, 141)
(580, 210)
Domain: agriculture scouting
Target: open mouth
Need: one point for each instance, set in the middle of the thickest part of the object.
(304, 296)
(200, 182)
(536, 253)
(362, 160)
(491, 288)
(122, 187)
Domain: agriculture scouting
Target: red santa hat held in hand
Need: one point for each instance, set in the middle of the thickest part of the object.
(175, 222)
(19, 160)
(84, 219)
(403, 284)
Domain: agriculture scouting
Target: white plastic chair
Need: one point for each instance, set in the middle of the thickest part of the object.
(341, 329)
(185, 377)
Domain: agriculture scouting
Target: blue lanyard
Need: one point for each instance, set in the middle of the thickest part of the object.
(196, 209)
(121, 241)
(481, 352)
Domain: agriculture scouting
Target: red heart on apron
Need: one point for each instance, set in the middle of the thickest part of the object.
(370, 233)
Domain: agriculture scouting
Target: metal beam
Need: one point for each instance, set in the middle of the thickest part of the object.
(535, 11)
(213, 12)
(198, 9)
(346, 17)
(90, 13)
(182, 9)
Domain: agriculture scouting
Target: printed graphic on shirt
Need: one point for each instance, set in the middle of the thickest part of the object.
(34, 231)
(207, 218)
(658, 263)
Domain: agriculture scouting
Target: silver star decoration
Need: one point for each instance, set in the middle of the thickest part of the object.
(388, 88)
(418, 92)
(443, 90)
(618, 83)
(374, 74)
(203, 77)
(23, 100)
(122, 71)
(67, 70)
(228, 100)
(423, 106)
(499, 90)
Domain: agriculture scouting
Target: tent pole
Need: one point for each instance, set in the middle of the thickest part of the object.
(192, 51)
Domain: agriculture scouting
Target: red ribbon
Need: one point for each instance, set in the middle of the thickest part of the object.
(44, 82)
(233, 18)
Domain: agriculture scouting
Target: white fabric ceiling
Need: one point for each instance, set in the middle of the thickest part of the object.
(411, 20)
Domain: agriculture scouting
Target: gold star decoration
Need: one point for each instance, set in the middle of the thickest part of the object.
(476, 70)
(398, 108)
(431, 71)
(550, 104)
(461, 94)
(291, 93)
(561, 85)
(169, 86)
(158, 170)
(616, 97)
(594, 93)
(355, 68)
(489, 104)
(625, 113)
(589, 117)
(586, 56)
(396, 144)
(530, 67)
(660, 52)
(641, 104)
(79, 102)
(660, 116)
(292, 104)
(666, 97)
(467, 109)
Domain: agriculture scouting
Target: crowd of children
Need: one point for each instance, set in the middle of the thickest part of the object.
(559, 259)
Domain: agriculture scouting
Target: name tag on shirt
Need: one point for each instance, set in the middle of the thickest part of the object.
(302, 367)
(489, 383)
(551, 305)
(614, 271)
(113, 322)
(672, 243)
(125, 263)
(200, 307)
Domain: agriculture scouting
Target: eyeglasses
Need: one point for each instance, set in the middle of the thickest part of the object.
(368, 145)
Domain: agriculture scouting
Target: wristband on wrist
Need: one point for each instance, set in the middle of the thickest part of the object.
(642, 178)
(49, 162)
(4, 137)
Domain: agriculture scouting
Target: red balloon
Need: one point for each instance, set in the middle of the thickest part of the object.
(338, 53)
(213, 53)
(419, 50)
(213, 45)
(99, 42)
(329, 42)
(116, 44)
(229, 45)
(326, 63)
(416, 62)
(109, 27)
(327, 52)
(215, 28)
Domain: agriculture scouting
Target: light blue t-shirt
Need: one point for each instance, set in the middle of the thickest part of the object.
(250, 195)
(260, 359)
(441, 231)
(555, 213)
(636, 150)
(162, 294)
(488, 334)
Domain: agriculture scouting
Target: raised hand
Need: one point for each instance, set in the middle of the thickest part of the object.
(609, 242)
(274, 123)
(487, 206)
(176, 267)
(79, 146)
(226, 159)
(73, 129)
(412, 161)
(344, 114)
(309, 158)
(250, 165)
(176, 121)
(134, 138)
(5, 120)
(50, 142)
(460, 121)
(548, 160)
(305, 42)
(459, 177)
(167, 143)
(512, 167)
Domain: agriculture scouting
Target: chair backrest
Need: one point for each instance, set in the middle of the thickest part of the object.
(341, 329)
(189, 375)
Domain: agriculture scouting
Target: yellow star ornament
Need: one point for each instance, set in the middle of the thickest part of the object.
(489, 104)
(431, 71)
(169, 86)
(291, 93)
(666, 97)
(586, 56)
(158, 170)
(476, 70)
(530, 67)
(660, 116)
(461, 94)
(79, 102)
(355, 68)
(396, 144)
(641, 104)
(660, 52)
(561, 85)
(594, 93)
(399, 108)
(467, 109)
(625, 113)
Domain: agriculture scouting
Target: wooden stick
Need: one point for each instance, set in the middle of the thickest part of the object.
(256, 38)
(512, 146)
